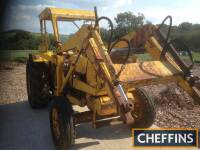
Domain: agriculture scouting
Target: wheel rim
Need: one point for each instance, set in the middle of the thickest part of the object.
(56, 123)
(139, 111)
(143, 110)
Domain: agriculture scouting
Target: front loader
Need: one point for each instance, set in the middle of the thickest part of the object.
(83, 71)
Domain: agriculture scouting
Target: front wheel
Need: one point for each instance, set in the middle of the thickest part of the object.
(61, 123)
(144, 112)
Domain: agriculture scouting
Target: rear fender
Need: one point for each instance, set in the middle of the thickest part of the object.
(42, 56)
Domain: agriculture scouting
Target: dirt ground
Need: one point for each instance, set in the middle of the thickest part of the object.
(174, 107)
(12, 82)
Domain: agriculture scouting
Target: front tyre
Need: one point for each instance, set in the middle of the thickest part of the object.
(61, 123)
(144, 112)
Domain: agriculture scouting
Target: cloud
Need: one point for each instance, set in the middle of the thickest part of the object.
(25, 16)
(22, 17)
(89, 4)
(180, 10)
(107, 8)
(20, 14)
(190, 14)
(25, 12)
(121, 3)
(25, 8)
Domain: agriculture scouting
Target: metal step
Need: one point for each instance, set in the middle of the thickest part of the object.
(108, 121)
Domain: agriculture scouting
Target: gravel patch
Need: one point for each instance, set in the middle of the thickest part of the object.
(12, 82)
(174, 107)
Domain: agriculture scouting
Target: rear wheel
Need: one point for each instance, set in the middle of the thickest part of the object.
(37, 84)
(144, 112)
(61, 123)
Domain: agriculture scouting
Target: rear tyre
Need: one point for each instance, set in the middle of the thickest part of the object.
(61, 123)
(144, 113)
(37, 86)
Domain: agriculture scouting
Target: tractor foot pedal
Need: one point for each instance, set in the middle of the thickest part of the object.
(108, 121)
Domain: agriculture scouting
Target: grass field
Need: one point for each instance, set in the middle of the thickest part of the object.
(22, 55)
(17, 55)
(196, 57)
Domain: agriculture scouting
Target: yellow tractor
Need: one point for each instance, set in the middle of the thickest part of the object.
(83, 71)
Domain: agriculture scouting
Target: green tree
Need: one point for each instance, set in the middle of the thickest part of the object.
(105, 34)
(185, 26)
(127, 22)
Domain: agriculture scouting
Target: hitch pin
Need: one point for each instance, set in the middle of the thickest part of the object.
(120, 88)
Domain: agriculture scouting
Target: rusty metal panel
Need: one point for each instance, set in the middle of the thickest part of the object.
(145, 71)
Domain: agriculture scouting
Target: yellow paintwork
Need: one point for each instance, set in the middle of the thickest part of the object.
(155, 49)
(84, 75)
(67, 14)
(122, 44)
(58, 14)
(77, 40)
(76, 101)
(145, 71)
(43, 56)
(105, 106)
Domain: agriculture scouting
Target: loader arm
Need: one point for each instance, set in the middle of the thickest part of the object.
(151, 38)
(77, 40)
(114, 89)
(184, 80)
(89, 43)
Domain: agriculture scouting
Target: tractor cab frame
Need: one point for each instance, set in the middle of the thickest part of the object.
(54, 15)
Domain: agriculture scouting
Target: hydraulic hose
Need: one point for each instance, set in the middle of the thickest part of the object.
(127, 56)
(168, 32)
(111, 28)
(177, 42)
(170, 47)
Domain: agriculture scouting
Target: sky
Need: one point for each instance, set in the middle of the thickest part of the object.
(23, 14)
